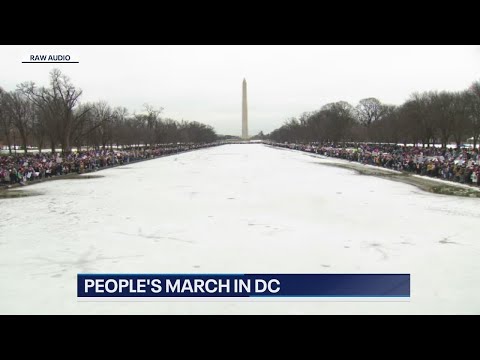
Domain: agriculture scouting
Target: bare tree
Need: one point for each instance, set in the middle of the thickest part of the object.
(39, 130)
(460, 116)
(474, 111)
(22, 113)
(118, 121)
(369, 110)
(388, 128)
(58, 102)
(151, 121)
(440, 112)
(102, 120)
(6, 124)
(419, 108)
(339, 118)
(409, 126)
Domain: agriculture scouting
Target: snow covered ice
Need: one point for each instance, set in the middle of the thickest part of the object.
(237, 209)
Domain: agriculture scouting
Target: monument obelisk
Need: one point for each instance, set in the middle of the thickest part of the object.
(244, 111)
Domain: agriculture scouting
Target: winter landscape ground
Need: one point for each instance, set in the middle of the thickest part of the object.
(237, 209)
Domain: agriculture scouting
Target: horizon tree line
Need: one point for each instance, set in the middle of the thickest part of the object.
(429, 118)
(53, 116)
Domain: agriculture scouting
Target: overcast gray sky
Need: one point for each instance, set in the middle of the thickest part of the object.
(204, 83)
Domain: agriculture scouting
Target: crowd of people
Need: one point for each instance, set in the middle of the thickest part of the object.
(24, 168)
(454, 164)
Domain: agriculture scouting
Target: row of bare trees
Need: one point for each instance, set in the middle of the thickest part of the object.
(54, 117)
(427, 118)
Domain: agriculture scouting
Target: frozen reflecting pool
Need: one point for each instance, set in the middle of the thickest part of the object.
(237, 209)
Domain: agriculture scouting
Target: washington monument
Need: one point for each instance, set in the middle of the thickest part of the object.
(244, 111)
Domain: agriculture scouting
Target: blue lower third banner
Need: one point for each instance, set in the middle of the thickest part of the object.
(243, 285)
